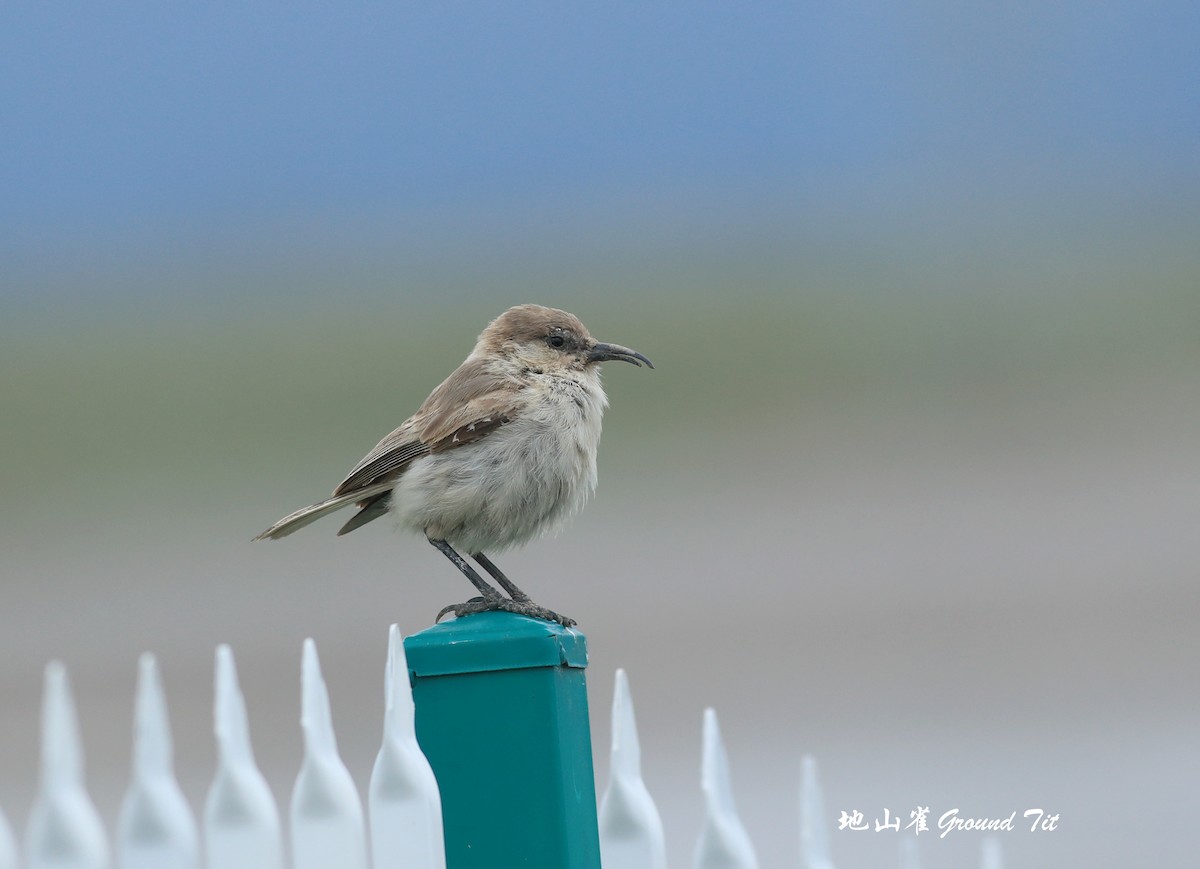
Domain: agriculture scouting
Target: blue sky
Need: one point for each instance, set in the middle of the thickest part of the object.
(150, 117)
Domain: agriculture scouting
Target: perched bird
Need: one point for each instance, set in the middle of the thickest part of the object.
(503, 450)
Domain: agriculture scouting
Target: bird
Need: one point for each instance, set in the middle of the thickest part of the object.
(502, 451)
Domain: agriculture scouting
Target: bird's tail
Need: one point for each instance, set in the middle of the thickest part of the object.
(313, 512)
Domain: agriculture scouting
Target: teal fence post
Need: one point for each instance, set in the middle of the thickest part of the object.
(501, 713)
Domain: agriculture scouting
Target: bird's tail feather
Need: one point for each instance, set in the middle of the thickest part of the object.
(371, 510)
(313, 512)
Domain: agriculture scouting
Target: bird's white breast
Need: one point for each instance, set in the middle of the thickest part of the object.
(525, 478)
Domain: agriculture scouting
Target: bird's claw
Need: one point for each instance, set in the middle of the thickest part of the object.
(474, 605)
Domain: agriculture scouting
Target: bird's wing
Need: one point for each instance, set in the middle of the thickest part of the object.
(389, 457)
(471, 403)
(475, 419)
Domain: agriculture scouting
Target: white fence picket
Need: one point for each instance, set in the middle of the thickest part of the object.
(814, 825)
(991, 857)
(155, 829)
(631, 831)
(327, 816)
(242, 830)
(404, 803)
(724, 843)
(8, 845)
(64, 829)
(241, 820)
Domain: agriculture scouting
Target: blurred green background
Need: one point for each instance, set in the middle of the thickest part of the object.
(913, 486)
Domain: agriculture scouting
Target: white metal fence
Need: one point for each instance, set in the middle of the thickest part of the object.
(156, 828)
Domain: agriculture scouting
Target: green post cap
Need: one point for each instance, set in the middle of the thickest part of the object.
(501, 713)
(493, 641)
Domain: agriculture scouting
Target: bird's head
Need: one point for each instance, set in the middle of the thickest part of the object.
(549, 339)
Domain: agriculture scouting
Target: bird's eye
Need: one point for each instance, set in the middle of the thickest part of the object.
(556, 340)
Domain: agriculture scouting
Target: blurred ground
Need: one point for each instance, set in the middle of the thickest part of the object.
(930, 520)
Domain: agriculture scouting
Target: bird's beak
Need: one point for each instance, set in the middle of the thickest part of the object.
(605, 352)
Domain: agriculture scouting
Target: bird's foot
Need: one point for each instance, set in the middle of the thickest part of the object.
(527, 607)
(524, 607)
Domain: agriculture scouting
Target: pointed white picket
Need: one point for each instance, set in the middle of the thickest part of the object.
(814, 826)
(631, 831)
(155, 829)
(8, 845)
(241, 821)
(64, 829)
(327, 816)
(724, 843)
(242, 830)
(404, 802)
(991, 857)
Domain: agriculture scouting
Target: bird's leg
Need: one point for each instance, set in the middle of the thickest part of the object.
(497, 574)
(521, 602)
(488, 592)
(490, 598)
